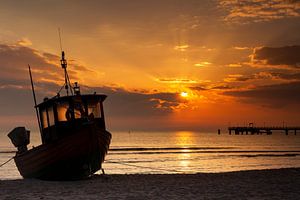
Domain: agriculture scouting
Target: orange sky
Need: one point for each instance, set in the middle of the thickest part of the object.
(236, 62)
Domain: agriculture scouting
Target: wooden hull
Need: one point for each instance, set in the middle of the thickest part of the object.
(75, 156)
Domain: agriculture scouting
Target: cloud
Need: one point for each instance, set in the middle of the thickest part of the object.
(241, 48)
(124, 103)
(287, 55)
(260, 10)
(181, 47)
(286, 75)
(275, 96)
(234, 65)
(14, 60)
(202, 64)
(198, 88)
(237, 78)
(222, 87)
(24, 42)
(212, 86)
(134, 107)
(176, 80)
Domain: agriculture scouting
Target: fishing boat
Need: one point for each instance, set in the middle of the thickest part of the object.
(73, 133)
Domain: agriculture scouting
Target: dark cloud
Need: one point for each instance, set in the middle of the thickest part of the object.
(275, 96)
(286, 75)
(222, 87)
(124, 103)
(82, 68)
(288, 55)
(198, 88)
(51, 57)
(16, 100)
(14, 60)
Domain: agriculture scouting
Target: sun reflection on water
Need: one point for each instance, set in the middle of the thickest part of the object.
(184, 161)
(184, 140)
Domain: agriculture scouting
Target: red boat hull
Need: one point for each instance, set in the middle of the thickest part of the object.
(76, 156)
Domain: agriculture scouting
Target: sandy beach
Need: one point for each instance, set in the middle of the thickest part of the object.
(258, 184)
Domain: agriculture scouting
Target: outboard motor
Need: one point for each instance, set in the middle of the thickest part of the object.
(20, 137)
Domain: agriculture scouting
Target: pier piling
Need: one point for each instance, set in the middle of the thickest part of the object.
(239, 130)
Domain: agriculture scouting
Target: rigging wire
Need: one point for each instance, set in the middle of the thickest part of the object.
(6, 162)
(132, 165)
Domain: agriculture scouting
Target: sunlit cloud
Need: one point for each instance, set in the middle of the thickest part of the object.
(198, 88)
(234, 65)
(236, 78)
(222, 87)
(260, 10)
(24, 42)
(176, 80)
(202, 64)
(181, 47)
(241, 48)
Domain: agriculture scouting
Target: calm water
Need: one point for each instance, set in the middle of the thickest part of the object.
(184, 152)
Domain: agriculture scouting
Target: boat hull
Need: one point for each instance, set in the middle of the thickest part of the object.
(76, 156)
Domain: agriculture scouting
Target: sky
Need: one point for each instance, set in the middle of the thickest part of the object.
(165, 64)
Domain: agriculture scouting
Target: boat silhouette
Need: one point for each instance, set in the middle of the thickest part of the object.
(73, 133)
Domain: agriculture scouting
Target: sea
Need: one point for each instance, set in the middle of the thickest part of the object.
(182, 152)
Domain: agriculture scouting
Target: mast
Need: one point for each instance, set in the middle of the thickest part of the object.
(34, 98)
(64, 64)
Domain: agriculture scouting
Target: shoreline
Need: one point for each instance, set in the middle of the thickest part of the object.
(251, 184)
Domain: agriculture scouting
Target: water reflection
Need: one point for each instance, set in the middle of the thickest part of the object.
(184, 139)
(184, 161)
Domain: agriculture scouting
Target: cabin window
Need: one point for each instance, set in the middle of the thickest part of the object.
(94, 109)
(78, 110)
(62, 108)
(44, 118)
(51, 116)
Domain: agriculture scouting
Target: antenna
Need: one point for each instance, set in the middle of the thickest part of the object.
(63, 63)
(59, 39)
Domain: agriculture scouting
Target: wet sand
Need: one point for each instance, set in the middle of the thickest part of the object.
(257, 184)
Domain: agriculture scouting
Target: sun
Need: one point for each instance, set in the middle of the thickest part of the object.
(184, 94)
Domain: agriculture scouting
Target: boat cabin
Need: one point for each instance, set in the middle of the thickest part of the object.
(60, 116)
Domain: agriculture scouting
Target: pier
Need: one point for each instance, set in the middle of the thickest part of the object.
(241, 130)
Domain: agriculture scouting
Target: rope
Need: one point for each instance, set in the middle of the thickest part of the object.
(131, 165)
(6, 162)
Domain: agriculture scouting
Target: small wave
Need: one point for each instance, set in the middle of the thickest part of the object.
(249, 153)
(270, 155)
(167, 148)
(10, 151)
